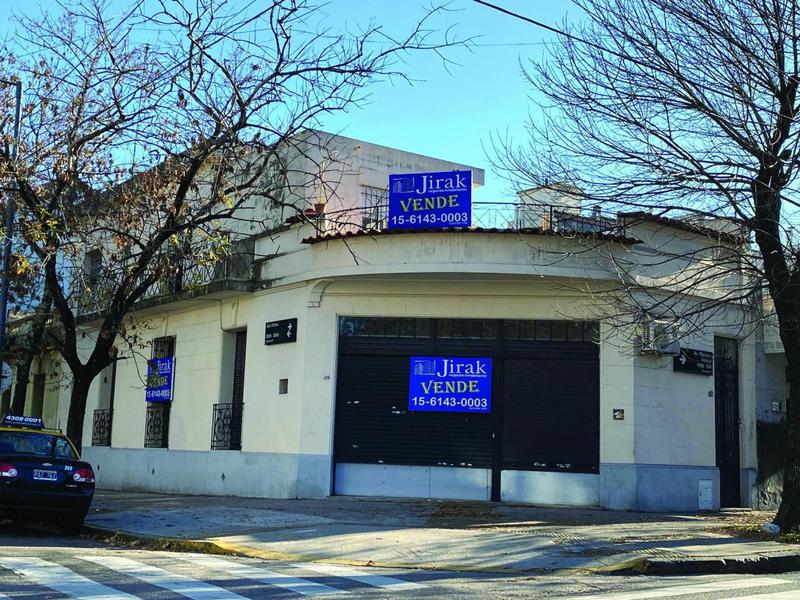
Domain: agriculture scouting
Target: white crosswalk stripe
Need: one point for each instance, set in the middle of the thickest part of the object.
(185, 586)
(725, 585)
(61, 579)
(790, 595)
(237, 569)
(387, 583)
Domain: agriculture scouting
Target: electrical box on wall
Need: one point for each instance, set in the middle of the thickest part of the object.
(705, 494)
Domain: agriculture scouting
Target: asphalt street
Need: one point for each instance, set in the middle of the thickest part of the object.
(41, 563)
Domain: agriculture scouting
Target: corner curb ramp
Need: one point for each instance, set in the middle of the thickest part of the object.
(745, 565)
(227, 549)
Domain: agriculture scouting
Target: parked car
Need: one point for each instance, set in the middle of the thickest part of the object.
(41, 475)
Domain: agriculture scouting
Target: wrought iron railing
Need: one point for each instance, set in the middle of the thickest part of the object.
(156, 430)
(226, 426)
(486, 215)
(236, 266)
(101, 427)
(90, 295)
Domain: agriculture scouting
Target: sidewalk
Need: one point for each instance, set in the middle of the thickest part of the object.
(440, 534)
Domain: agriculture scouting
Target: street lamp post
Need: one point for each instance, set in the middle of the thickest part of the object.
(10, 210)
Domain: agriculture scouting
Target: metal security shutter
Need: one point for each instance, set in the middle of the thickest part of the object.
(551, 413)
(374, 426)
(545, 395)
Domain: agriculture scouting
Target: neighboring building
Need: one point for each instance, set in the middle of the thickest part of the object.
(581, 414)
(46, 378)
(773, 392)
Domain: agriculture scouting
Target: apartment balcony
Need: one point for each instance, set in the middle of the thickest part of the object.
(232, 274)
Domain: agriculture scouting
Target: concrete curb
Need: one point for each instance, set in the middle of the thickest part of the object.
(749, 565)
(754, 565)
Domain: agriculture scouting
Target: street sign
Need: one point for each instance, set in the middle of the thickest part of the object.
(160, 379)
(698, 362)
(422, 200)
(280, 332)
(450, 384)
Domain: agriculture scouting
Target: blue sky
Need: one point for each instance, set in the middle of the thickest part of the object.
(444, 114)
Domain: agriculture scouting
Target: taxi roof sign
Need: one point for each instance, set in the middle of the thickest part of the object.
(23, 421)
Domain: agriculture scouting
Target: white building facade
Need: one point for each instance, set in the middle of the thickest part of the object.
(581, 414)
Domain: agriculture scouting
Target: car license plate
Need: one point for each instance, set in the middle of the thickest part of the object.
(42, 475)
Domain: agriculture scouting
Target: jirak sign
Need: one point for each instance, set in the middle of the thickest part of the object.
(160, 379)
(430, 200)
(450, 384)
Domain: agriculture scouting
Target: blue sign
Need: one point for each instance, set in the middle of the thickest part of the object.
(420, 200)
(160, 373)
(23, 421)
(450, 384)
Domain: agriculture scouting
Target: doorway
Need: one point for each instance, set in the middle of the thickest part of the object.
(726, 393)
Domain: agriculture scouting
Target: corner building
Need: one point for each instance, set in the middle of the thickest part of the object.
(581, 415)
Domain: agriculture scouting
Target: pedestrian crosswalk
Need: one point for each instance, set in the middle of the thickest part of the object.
(127, 575)
(233, 579)
(721, 586)
(61, 579)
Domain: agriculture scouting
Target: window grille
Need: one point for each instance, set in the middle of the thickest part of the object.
(226, 425)
(93, 267)
(156, 431)
(375, 204)
(101, 427)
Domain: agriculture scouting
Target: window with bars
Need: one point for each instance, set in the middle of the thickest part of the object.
(93, 266)
(383, 327)
(226, 425)
(156, 431)
(375, 204)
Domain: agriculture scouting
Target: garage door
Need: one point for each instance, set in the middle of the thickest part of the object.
(544, 415)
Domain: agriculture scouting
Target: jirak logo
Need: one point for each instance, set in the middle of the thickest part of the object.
(403, 185)
(425, 367)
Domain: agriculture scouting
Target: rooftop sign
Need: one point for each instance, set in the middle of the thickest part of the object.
(423, 200)
(23, 421)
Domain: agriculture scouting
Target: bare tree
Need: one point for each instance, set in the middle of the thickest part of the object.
(685, 110)
(153, 137)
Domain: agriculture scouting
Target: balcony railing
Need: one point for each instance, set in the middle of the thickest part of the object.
(226, 426)
(101, 427)
(486, 215)
(93, 295)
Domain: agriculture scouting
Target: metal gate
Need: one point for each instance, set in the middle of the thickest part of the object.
(545, 396)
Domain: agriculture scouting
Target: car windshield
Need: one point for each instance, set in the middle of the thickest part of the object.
(40, 444)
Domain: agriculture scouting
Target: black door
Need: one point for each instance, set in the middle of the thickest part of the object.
(726, 392)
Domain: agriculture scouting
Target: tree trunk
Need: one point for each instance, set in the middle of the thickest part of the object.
(77, 407)
(21, 383)
(788, 517)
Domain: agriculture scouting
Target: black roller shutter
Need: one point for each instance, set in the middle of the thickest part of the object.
(373, 424)
(551, 411)
(545, 397)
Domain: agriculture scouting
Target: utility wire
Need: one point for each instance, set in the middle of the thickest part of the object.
(565, 34)
(534, 22)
